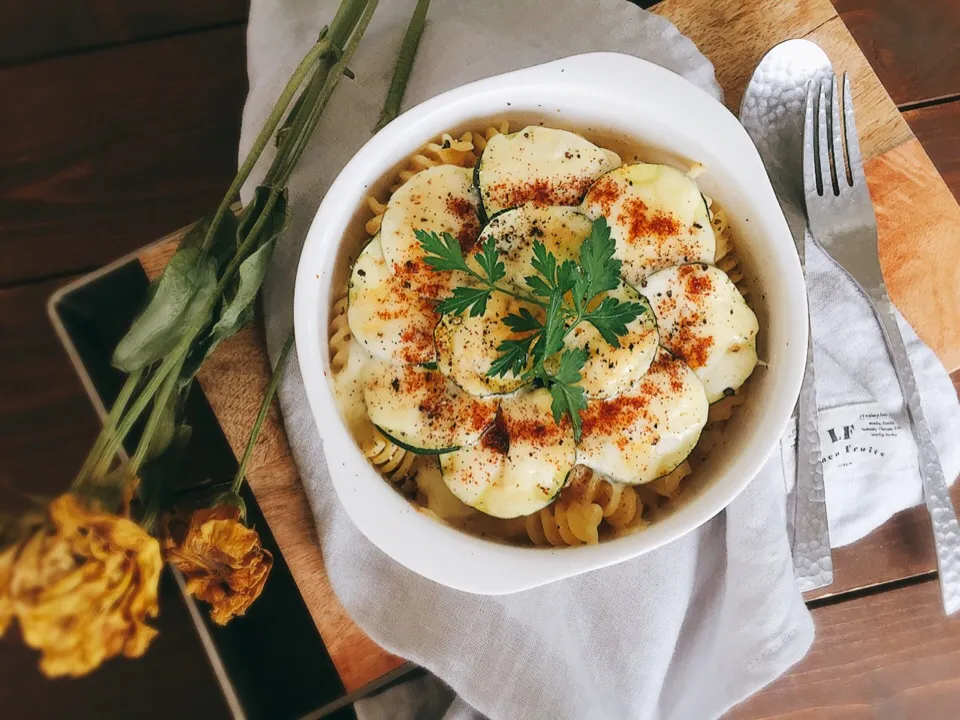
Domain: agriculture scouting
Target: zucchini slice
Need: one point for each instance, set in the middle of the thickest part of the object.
(539, 165)
(467, 346)
(561, 229)
(645, 433)
(520, 463)
(610, 370)
(390, 321)
(657, 217)
(418, 450)
(439, 199)
(705, 321)
(421, 409)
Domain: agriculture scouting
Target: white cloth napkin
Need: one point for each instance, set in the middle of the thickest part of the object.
(684, 632)
(855, 379)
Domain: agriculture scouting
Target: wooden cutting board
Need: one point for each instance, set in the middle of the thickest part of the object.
(918, 221)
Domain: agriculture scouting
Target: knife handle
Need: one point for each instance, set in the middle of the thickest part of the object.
(812, 562)
(936, 494)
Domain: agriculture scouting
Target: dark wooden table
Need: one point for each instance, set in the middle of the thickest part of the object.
(119, 123)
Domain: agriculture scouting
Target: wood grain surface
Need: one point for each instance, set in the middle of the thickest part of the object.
(888, 655)
(29, 31)
(911, 45)
(938, 129)
(97, 160)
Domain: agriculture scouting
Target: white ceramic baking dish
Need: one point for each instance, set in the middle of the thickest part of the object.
(613, 94)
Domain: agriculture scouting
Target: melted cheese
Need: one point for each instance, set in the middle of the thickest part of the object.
(657, 217)
(391, 322)
(610, 370)
(704, 320)
(467, 347)
(561, 230)
(439, 199)
(645, 433)
(422, 409)
(520, 465)
(539, 165)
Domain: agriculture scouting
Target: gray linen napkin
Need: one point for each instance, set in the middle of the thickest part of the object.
(684, 632)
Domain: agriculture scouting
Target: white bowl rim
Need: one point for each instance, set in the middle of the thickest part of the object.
(413, 538)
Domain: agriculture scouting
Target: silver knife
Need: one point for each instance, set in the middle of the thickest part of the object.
(772, 112)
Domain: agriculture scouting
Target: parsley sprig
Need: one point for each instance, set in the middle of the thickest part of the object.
(564, 295)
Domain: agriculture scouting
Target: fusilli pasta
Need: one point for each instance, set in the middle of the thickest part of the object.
(587, 502)
(339, 336)
(391, 461)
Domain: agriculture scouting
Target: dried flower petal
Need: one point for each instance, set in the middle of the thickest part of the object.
(7, 557)
(222, 559)
(82, 588)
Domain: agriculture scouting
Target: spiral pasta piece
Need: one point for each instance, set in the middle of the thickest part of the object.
(588, 502)
(339, 336)
(391, 461)
(378, 209)
(480, 140)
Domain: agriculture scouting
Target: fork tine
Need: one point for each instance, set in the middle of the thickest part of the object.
(854, 159)
(823, 145)
(809, 147)
(838, 157)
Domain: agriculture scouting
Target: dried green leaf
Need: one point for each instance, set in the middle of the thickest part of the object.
(241, 295)
(179, 302)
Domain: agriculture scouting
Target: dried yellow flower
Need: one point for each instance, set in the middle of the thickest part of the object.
(82, 587)
(222, 559)
(7, 557)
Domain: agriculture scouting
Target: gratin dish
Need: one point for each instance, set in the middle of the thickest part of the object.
(605, 94)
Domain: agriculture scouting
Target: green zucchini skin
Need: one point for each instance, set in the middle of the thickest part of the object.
(481, 210)
(413, 449)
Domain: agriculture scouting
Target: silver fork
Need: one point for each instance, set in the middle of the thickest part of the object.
(843, 223)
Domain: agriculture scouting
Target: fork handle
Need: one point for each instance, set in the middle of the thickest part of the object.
(812, 562)
(946, 531)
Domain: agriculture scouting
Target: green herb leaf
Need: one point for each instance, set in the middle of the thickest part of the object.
(538, 285)
(569, 398)
(544, 263)
(553, 327)
(514, 357)
(466, 298)
(489, 260)
(441, 252)
(612, 316)
(601, 270)
(568, 275)
(522, 322)
(180, 300)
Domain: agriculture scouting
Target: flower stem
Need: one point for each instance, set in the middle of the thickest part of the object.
(306, 66)
(401, 71)
(109, 426)
(159, 405)
(324, 65)
(318, 92)
(261, 415)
